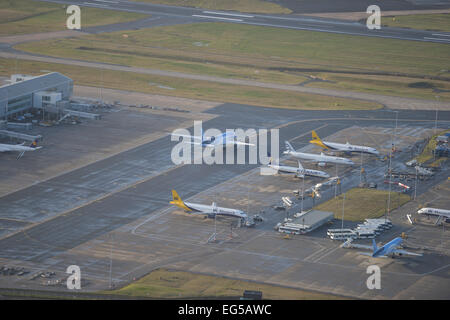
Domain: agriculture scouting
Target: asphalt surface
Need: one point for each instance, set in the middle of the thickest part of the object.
(279, 21)
(122, 203)
(110, 193)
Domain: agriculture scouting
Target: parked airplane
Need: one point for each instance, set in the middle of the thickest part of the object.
(224, 139)
(210, 211)
(388, 250)
(321, 159)
(299, 172)
(342, 147)
(21, 148)
(440, 213)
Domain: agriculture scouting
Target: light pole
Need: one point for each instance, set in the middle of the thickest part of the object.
(415, 186)
(343, 205)
(390, 166)
(303, 193)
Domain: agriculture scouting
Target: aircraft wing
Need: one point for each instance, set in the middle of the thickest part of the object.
(365, 253)
(370, 255)
(362, 246)
(243, 143)
(186, 136)
(5, 148)
(399, 251)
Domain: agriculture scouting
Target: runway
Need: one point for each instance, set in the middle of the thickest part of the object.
(295, 22)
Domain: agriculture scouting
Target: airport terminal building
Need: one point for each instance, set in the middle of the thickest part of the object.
(26, 92)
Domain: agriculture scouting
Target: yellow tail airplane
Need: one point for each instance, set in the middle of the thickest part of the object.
(211, 210)
(343, 147)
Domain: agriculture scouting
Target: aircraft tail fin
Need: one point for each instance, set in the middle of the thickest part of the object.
(317, 141)
(289, 146)
(176, 198)
(374, 245)
(315, 136)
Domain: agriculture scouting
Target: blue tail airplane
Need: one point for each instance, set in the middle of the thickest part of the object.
(388, 250)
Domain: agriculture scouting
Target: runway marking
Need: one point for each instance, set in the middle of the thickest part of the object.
(445, 40)
(210, 17)
(229, 14)
(115, 2)
(441, 34)
(96, 4)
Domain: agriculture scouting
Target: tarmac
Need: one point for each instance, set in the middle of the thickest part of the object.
(112, 217)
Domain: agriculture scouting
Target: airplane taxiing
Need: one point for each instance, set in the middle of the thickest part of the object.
(224, 139)
(341, 147)
(211, 211)
(21, 148)
(299, 171)
(321, 158)
(388, 250)
(440, 213)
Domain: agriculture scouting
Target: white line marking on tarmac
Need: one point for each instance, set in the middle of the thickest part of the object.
(96, 4)
(445, 40)
(228, 14)
(441, 34)
(210, 17)
(107, 1)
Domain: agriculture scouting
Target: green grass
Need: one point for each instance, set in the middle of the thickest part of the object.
(26, 16)
(362, 203)
(268, 54)
(168, 284)
(436, 22)
(427, 153)
(254, 6)
(203, 90)
(386, 85)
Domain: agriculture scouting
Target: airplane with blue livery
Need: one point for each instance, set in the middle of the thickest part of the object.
(224, 139)
(388, 250)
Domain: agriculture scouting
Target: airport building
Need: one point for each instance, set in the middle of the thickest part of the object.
(305, 222)
(25, 92)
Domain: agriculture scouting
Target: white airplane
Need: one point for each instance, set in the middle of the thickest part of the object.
(388, 250)
(321, 158)
(224, 139)
(211, 211)
(299, 172)
(440, 213)
(21, 148)
(342, 147)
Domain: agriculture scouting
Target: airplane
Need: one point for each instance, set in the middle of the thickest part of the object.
(440, 213)
(224, 139)
(388, 250)
(300, 172)
(21, 148)
(341, 147)
(321, 158)
(211, 211)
